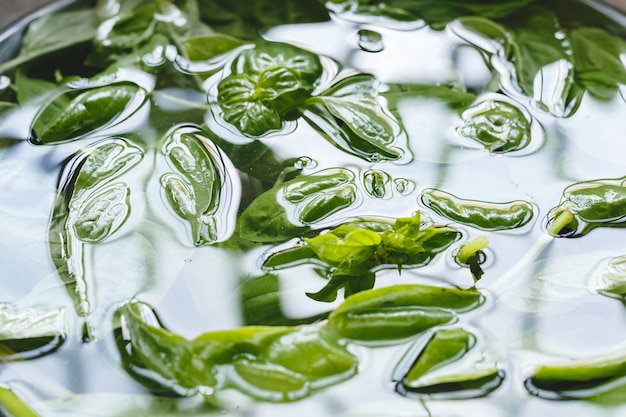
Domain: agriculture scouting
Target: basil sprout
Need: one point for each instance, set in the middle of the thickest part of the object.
(587, 205)
(481, 215)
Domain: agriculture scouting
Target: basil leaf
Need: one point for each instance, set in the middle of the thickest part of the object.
(534, 42)
(102, 214)
(580, 379)
(268, 82)
(499, 126)
(30, 89)
(437, 13)
(30, 333)
(274, 55)
(271, 363)
(444, 346)
(205, 47)
(261, 303)
(453, 96)
(203, 189)
(481, 215)
(133, 27)
(74, 114)
(244, 18)
(400, 311)
(587, 205)
(81, 188)
(599, 68)
(311, 198)
(353, 119)
(54, 32)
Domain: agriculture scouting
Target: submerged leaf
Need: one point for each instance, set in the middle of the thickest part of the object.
(270, 363)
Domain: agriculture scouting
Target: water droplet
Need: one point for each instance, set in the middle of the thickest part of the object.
(5, 82)
(370, 41)
(404, 186)
(305, 162)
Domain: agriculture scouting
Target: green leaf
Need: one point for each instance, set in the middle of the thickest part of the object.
(400, 311)
(102, 213)
(30, 90)
(352, 116)
(499, 126)
(201, 48)
(535, 43)
(245, 18)
(587, 205)
(452, 95)
(311, 198)
(273, 55)
(597, 60)
(201, 189)
(29, 333)
(268, 82)
(270, 363)
(54, 32)
(445, 346)
(437, 13)
(14, 405)
(482, 215)
(446, 366)
(357, 246)
(74, 114)
(579, 379)
(89, 171)
(261, 303)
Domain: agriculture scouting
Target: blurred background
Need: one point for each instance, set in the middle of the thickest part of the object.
(11, 10)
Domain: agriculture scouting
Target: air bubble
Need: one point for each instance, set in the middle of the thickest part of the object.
(370, 41)
(404, 186)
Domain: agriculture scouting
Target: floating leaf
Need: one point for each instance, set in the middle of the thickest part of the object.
(31, 332)
(270, 363)
(74, 114)
(202, 190)
(400, 311)
(482, 215)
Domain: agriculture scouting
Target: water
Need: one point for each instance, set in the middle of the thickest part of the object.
(541, 299)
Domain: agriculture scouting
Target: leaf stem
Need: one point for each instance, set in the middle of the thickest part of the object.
(560, 221)
(12, 404)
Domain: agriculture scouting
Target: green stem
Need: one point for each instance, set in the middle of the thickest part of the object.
(560, 221)
(469, 249)
(13, 405)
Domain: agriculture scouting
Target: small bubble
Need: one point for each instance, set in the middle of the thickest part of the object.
(5, 82)
(404, 186)
(305, 162)
(370, 41)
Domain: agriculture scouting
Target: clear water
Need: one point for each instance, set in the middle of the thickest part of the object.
(541, 305)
